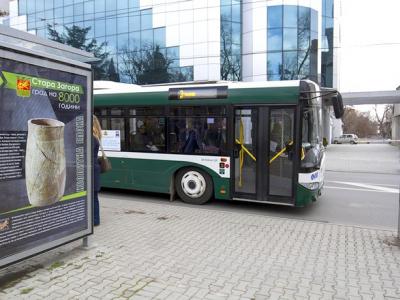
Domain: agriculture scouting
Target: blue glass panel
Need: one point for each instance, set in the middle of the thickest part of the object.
(78, 1)
(122, 6)
(111, 7)
(303, 39)
(88, 18)
(123, 23)
(274, 42)
(289, 16)
(41, 32)
(146, 20)
(68, 11)
(275, 16)
(67, 2)
(48, 4)
(58, 13)
(226, 2)
(187, 72)
(88, 7)
(289, 39)
(133, 4)
(39, 5)
(236, 12)
(174, 63)
(79, 24)
(100, 6)
(30, 8)
(111, 44)
(236, 33)
(111, 25)
(159, 37)
(274, 62)
(40, 20)
(68, 21)
(236, 49)
(226, 28)
(314, 20)
(123, 42)
(134, 21)
(329, 8)
(134, 40)
(146, 39)
(272, 77)
(49, 16)
(173, 52)
(290, 65)
(78, 12)
(22, 7)
(90, 33)
(304, 17)
(57, 3)
(304, 63)
(226, 13)
(99, 25)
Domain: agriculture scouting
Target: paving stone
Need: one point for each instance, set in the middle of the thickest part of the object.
(184, 257)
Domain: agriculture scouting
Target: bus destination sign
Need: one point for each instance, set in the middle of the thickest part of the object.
(194, 93)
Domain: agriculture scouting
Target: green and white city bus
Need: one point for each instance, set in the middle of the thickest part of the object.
(247, 141)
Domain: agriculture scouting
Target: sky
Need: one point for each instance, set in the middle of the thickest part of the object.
(370, 45)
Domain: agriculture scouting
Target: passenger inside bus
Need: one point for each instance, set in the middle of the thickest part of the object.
(141, 140)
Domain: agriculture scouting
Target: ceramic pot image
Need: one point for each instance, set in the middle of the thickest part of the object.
(45, 167)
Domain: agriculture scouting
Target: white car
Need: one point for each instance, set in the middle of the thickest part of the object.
(346, 138)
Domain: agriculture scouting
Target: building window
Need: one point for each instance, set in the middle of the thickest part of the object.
(327, 43)
(292, 43)
(231, 45)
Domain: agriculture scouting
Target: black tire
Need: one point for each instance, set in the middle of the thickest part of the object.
(352, 142)
(335, 142)
(194, 186)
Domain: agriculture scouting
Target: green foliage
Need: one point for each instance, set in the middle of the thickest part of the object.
(76, 37)
(325, 142)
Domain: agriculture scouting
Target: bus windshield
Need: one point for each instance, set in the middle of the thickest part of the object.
(311, 134)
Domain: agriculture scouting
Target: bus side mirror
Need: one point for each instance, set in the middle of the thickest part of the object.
(337, 103)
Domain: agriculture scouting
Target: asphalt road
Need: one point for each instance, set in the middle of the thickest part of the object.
(361, 188)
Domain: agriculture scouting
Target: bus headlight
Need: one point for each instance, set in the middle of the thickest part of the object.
(310, 185)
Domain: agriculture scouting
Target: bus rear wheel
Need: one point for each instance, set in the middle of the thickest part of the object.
(193, 186)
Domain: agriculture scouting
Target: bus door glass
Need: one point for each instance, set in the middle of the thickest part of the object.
(281, 152)
(245, 153)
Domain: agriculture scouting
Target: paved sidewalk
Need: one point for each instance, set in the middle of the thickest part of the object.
(160, 251)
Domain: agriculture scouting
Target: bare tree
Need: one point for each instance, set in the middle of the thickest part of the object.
(358, 123)
(384, 120)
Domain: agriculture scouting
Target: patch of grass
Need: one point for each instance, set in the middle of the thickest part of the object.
(26, 291)
(56, 265)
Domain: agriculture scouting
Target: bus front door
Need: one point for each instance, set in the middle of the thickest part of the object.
(264, 154)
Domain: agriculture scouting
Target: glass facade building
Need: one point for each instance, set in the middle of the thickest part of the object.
(126, 30)
(200, 40)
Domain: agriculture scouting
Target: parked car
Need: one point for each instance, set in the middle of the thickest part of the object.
(346, 138)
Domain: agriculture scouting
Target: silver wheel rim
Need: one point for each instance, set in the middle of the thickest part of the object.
(193, 184)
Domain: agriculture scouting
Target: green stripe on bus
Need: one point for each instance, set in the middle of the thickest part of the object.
(65, 198)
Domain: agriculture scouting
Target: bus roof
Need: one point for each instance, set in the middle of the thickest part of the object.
(111, 87)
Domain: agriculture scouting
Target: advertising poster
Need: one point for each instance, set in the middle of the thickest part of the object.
(43, 156)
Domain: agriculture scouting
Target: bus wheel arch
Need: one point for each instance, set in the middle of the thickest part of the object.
(193, 185)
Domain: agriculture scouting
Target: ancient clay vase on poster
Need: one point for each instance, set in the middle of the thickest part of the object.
(45, 168)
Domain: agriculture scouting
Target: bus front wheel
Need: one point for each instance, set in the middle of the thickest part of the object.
(193, 186)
